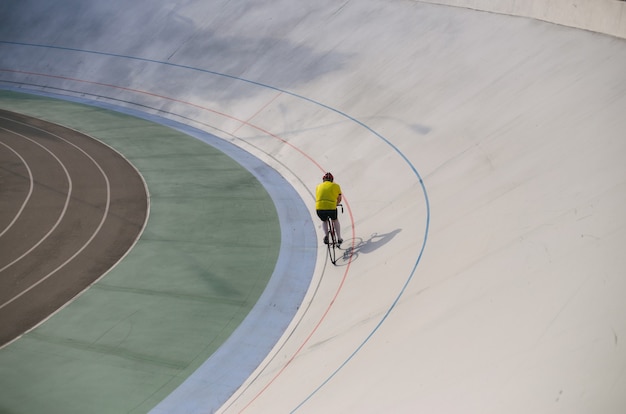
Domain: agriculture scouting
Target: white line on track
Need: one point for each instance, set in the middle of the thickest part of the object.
(67, 200)
(97, 230)
(30, 189)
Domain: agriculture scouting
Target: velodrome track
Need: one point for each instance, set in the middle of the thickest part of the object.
(482, 161)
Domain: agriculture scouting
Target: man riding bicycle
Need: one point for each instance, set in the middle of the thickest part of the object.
(327, 196)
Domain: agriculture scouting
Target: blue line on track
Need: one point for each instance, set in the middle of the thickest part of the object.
(343, 114)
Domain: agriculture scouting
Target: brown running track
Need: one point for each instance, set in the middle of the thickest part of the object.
(70, 209)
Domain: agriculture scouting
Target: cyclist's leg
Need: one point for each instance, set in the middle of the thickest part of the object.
(323, 215)
(337, 226)
(325, 227)
(331, 231)
(337, 230)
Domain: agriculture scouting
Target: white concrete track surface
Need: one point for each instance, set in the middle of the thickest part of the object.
(482, 161)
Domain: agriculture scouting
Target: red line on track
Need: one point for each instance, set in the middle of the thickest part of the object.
(247, 123)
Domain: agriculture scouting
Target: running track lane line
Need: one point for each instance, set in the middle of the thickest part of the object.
(30, 189)
(396, 149)
(67, 200)
(97, 230)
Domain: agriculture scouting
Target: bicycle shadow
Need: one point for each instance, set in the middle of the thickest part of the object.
(358, 246)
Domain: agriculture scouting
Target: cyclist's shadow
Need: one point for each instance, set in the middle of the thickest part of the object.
(357, 246)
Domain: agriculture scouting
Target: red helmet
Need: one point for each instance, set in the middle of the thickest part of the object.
(328, 177)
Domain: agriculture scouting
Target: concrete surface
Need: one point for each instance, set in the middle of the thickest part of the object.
(481, 158)
(602, 16)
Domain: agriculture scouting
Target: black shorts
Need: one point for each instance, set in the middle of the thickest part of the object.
(324, 214)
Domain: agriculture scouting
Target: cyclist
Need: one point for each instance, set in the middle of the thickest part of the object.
(327, 196)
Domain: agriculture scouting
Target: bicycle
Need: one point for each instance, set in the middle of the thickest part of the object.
(332, 239)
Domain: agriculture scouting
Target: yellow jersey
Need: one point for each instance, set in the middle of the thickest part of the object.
(326, 195)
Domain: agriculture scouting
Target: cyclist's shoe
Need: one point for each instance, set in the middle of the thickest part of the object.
(325, 239)
(339, 242)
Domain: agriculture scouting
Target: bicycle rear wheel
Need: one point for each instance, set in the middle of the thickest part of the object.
(332, 242)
